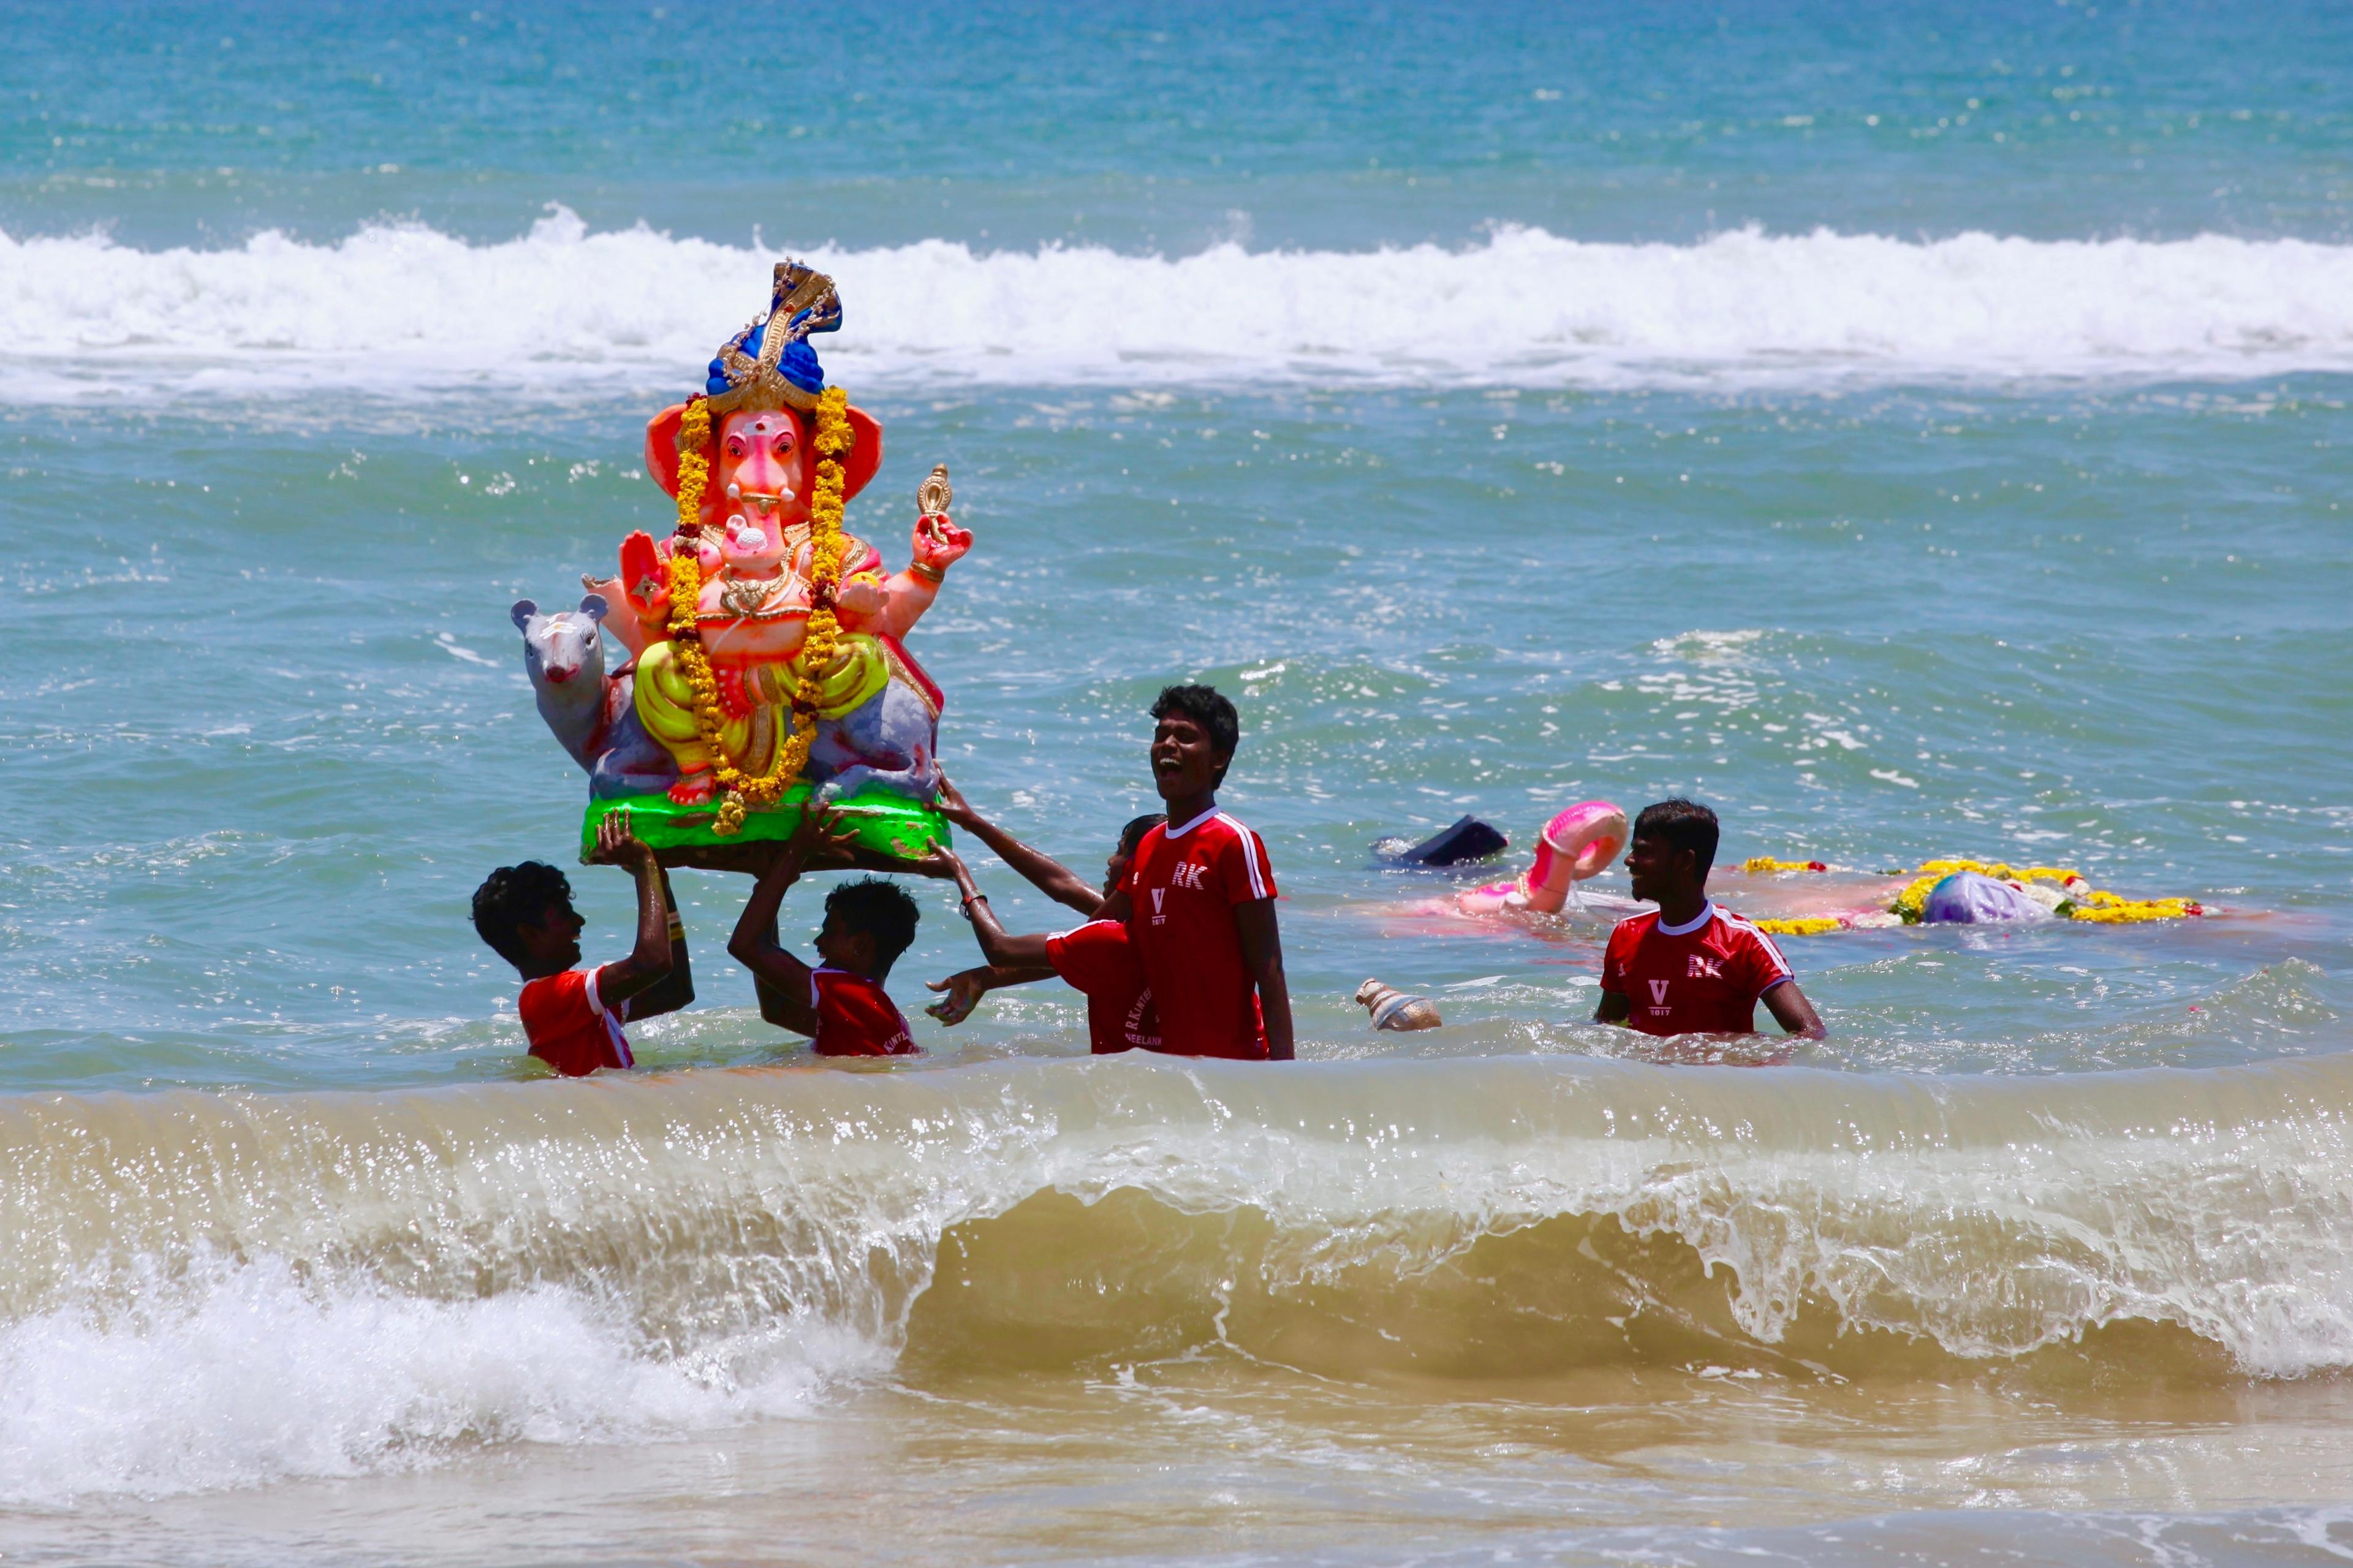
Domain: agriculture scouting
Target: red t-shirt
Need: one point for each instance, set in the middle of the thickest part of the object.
(855, 1017)
(569, 1028)
(1703, 978)
(1182, 890)
(1098, 960)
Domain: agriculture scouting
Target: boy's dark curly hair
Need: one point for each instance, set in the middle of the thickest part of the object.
(881, 910)
(512, 897)
(1209, 708)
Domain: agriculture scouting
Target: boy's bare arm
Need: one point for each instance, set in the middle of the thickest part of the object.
(777, 1002)
(962, 991)
(1615, 1008)
(1263, 957)
(676, 989)
(997, 945)
(1039, 869)
(1793, 1012)
(783, 980)
(650, 960)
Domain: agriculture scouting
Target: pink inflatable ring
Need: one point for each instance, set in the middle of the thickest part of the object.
(1576, 845)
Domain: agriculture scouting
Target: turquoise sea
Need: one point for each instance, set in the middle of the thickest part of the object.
(1916, 431)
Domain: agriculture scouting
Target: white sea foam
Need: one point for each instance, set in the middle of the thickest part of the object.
(237, 1375)
(405, 310)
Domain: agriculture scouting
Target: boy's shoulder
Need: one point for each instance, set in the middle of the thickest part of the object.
(568, 989)
(1634, 927)
(1237, 841)
(568, 1024)
(1739, 933)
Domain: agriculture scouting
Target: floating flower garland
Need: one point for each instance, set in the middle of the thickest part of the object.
(2108, 909)
(2001, 872)
(747, 792)
(2082, 901)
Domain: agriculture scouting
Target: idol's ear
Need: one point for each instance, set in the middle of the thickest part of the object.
(865, 452)
(662, 447)
(595, 607)
(521, 612)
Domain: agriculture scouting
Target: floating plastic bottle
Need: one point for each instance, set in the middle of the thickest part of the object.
(1393, 1009)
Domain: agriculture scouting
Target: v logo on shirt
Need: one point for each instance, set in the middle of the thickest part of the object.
(1159, 915)
(1658, 991)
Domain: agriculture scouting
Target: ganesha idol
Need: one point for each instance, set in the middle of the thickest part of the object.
(767, 645)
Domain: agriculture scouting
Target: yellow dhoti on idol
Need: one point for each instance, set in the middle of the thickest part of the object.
(665, 701)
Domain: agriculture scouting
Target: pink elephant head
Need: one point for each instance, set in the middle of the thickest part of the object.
(761, 462)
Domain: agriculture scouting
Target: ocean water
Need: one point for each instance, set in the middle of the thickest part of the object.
(1917, 432)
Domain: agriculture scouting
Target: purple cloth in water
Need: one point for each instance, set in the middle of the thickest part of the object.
(1969, 898)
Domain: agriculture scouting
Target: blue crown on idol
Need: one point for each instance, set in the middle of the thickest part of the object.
(768, 365)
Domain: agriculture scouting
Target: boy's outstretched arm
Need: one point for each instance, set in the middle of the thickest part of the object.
(1263, 957)
(1000, 946)
(1041, 871)
(1793, 1012)
(676, 989)
(784, 980)
(618, 844)
(962, 991)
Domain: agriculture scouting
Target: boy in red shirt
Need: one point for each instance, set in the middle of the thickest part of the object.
(1198, 903)
(1094, 958)
(572, 1017)
(840, 1005)
(1691, 968)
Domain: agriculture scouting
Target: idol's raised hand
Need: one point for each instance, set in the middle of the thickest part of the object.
(938, 544)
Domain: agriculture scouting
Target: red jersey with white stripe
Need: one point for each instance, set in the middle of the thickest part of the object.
(1098, 959)
(570, 1028)
(1182, 889)
(1701, 978)
(855, 1017)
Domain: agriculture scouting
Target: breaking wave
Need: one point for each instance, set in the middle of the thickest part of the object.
(221, 1289)
(405, 310)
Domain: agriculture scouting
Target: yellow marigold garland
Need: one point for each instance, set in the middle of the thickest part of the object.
(2002, 871)
(820, 644)
(2108, 909)
(693, 464)
(1913, 899)
(1799, 925)
(1757, 863)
